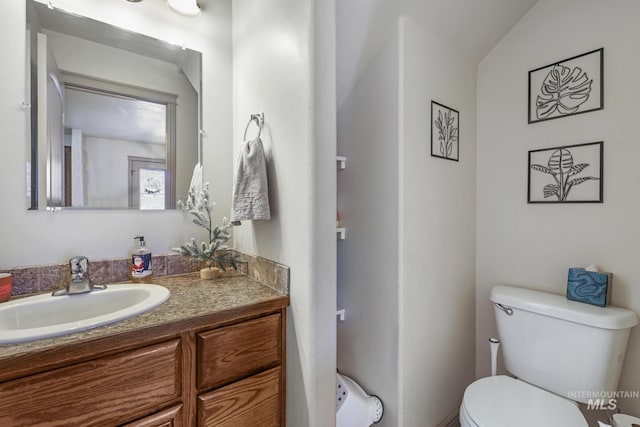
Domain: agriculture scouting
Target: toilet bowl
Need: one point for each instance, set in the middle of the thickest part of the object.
(502, 401)
(622, 420)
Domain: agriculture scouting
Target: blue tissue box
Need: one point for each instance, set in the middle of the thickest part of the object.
(589, 287)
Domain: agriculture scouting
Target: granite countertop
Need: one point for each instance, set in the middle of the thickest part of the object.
(190, 297)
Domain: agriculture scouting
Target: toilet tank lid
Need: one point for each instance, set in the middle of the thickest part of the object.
(560, 307)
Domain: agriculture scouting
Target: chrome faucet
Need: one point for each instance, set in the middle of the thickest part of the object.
(79, 284)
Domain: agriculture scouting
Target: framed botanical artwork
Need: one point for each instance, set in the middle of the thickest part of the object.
(568, 174)
(445, 125)
(572, 86)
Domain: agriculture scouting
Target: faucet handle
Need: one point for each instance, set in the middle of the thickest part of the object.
(79, 265)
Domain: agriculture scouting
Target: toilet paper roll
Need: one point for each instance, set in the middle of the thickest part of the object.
(622, 420)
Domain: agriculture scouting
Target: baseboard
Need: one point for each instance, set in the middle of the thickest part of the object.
(451, 421)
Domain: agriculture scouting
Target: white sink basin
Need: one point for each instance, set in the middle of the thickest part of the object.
(45, 316)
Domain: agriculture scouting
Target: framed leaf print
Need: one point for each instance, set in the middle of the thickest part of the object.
(569, 87)
(569, 174)
(445, 130)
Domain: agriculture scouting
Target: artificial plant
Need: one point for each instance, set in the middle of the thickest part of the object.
(215, 252)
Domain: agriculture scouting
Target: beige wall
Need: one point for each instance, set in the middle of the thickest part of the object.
(532, 245)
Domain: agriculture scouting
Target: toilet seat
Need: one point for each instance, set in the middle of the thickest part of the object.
(502, 401)
(465, 419)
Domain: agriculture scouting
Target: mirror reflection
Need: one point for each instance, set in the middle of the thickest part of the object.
(114, 115)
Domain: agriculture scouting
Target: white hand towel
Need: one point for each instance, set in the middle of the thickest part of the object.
(250, 188)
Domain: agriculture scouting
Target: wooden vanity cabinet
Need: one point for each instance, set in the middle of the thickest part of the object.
(250, 402)
(106, 391)
(225, 370)
(240, 374)
(233, 352)
(172, 417)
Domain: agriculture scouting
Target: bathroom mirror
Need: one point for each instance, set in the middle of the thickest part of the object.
(114, 115)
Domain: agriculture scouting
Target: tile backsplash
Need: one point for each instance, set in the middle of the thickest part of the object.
(268, 272)
(28, 280)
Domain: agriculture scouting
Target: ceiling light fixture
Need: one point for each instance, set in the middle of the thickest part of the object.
(184, 7)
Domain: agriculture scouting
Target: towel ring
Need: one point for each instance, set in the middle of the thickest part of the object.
(259, 119)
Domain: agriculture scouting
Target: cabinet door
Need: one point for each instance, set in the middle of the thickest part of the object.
(171, 417)
(237, 351)
(103, 392)
(251, 402)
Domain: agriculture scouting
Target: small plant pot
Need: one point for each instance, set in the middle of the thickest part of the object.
(210, 273)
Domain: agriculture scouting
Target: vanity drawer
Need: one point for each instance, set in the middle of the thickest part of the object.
(232, 352)
(103, 392)
(253, 401)
(171, 417)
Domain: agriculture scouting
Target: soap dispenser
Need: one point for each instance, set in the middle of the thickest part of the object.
(141, 261)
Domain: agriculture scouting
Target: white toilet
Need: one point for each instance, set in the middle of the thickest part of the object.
(560, 351)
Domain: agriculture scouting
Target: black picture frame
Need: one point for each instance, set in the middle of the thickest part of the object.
(565, 88)
(445, 131)
(566, 174)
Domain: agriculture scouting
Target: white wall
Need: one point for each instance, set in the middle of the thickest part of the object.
(437, 231)
(534, 245)
(277, 46)
(106, 171)
(368, 132)
(406, 270)
(109, 234)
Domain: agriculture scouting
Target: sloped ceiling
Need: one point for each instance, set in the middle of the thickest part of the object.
(472, 26)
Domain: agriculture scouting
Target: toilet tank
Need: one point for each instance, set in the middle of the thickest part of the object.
(567, 347)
